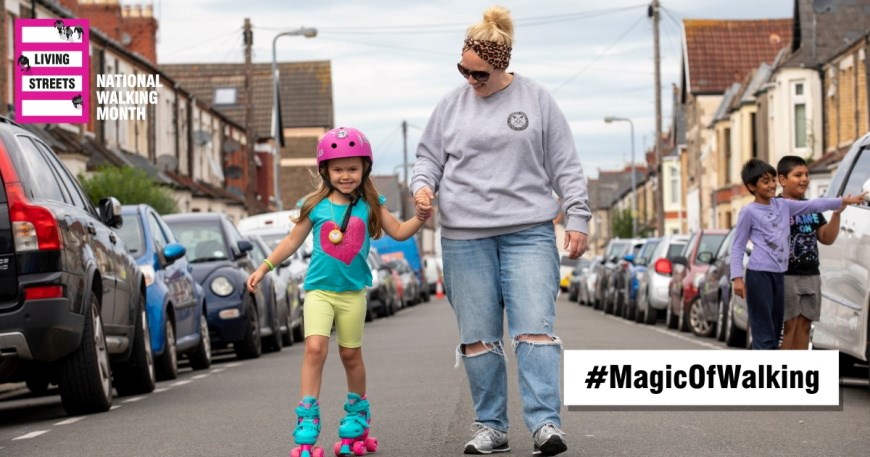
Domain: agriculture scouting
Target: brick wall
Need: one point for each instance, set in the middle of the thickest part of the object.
(134, 26)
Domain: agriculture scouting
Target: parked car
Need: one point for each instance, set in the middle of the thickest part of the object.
(718, 304)
(616, 296)
(615, 250)
(391, 249)
(276, 299)
(653, 285)
(290, 278)
(688, 270)
(381, 295)
(175, 310)
(586, 281)
(637, 268)
(433, 273)
(574, 280)
(221, 265)
(297, 265)
(845, 265)
(410, 284)
(567, 265)
(72, 301)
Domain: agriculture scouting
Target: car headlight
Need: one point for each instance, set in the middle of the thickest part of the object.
(221, 286)
(148, 273)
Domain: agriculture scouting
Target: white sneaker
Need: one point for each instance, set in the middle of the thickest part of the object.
(549, 440)
(486, 440)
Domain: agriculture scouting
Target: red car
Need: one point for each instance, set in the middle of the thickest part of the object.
(688, 271)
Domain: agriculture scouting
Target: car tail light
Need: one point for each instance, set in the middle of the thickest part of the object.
(33, 227)
(40, 292)
(664, 267)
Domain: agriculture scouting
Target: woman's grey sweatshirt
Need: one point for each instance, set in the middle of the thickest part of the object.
(495, 162)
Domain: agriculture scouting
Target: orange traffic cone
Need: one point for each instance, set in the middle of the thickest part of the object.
(439, 289)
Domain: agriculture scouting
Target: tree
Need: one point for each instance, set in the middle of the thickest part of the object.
(130, 186)
(621, 227)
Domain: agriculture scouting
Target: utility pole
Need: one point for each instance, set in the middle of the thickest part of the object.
(659, 196)
(405, 167)
(248, 36)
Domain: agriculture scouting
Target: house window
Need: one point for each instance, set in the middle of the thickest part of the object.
(225, 96)
(675, 184)
(800, 116)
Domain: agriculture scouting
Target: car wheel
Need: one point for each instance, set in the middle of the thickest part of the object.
(200, 358)
(250, 347)
(167, 364)
(650, 316)
(720, 320)
(683, 318)
(136, 375)
(698, 322)
(85, 378)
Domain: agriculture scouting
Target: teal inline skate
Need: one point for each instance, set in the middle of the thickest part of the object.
(307, 429)
(354, 429)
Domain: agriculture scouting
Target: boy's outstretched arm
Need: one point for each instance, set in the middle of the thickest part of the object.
(285, 249)
(400, 231)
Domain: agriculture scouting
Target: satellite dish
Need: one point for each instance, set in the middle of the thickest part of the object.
(166, 162)
(201, 137)
(231, 145)
(823, 6)
(233, 172)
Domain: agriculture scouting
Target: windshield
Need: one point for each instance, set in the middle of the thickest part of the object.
(203, 240)
(131, 233)
(709, 243)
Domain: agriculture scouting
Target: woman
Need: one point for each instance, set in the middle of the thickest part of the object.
(495, 150)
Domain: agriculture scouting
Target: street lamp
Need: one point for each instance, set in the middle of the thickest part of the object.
(307, 32)
(610, 119)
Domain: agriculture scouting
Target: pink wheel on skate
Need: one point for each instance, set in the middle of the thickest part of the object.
(371, 444)
(359, 448)
(318, 452)
(296, 452)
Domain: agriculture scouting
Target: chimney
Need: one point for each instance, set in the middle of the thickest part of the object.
(140, 25)
(133, 26)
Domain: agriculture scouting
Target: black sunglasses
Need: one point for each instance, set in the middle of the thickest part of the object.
(480, 76)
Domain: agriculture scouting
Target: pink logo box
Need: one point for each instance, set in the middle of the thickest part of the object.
(47, 41)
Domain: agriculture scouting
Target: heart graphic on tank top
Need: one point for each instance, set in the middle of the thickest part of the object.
(350, 244)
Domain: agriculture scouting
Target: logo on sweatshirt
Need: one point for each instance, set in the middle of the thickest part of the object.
(518, 120)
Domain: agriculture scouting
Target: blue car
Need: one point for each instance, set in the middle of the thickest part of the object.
(175, 304)
(638, 265)
(221, 263)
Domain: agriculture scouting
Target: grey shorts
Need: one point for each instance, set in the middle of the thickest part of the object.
(803, 297)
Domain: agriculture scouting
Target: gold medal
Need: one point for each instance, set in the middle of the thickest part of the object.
(335, 236)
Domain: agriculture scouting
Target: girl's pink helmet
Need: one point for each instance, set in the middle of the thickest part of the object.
(343, 142)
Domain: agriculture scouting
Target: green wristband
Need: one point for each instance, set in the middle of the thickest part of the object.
(271, 267)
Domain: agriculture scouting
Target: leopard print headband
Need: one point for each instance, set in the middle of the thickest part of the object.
(496, 54)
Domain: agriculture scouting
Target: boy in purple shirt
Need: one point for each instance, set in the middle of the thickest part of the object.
(765, 222)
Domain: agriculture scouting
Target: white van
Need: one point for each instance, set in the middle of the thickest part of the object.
(275, 220)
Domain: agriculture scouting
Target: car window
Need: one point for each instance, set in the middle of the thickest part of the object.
(859, 174)
(132, 234)
(257, 252)
(203, 240)
(74, 197)
(38, 185)
(233, 235)
(157, 231)
(725, 248)
(647, 250)
(616, 248)
(709, 243)
(676, 248)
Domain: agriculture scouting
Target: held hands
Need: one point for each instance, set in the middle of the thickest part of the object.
(423, 203)
(575, 244)
(739, 288)
(850, 200)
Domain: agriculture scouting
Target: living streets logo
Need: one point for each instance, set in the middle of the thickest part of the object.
(52, 70)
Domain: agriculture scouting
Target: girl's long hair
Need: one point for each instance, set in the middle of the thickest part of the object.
(365, 191)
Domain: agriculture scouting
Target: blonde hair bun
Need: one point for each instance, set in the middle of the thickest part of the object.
(496, 26)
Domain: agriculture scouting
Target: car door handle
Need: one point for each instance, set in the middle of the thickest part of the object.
(91, 229)
(113, 238)
(847, 229)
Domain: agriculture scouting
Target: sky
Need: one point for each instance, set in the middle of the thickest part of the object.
(394, 60)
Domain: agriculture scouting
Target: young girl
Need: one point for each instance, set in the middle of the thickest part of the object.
(344, 212)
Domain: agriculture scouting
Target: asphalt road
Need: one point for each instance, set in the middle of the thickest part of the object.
(420, 404)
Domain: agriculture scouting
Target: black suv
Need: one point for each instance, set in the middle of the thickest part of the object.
(72, 301)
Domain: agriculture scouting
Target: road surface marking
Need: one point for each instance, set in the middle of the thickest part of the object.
(30, 435)
(71, 420)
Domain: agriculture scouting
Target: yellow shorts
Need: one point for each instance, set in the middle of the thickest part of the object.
(347, 309)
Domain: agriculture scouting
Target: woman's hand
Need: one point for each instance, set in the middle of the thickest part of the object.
(423, 203)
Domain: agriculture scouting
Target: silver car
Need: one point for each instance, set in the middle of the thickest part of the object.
(652, 289)
(845, 265)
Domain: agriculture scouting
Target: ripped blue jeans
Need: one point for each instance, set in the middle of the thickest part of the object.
(517, 275)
